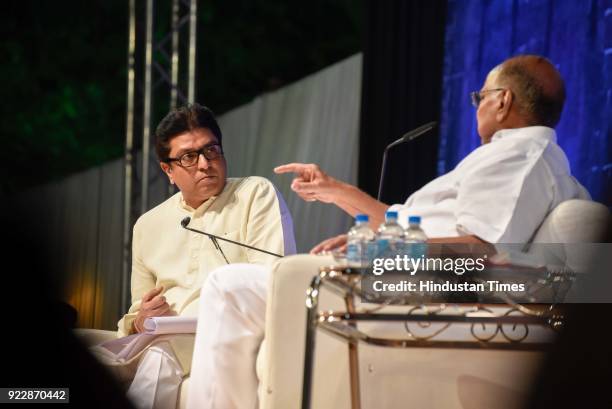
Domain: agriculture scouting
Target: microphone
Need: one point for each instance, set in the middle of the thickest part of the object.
(213, 238)
(185, 223)
(407, 137)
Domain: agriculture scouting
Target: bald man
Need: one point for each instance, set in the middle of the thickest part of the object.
(500, 193)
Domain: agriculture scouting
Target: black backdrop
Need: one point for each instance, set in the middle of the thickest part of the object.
(401, 89)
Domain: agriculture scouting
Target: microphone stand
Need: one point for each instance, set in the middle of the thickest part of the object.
(382, 174)
(214, 239)
(407, 137)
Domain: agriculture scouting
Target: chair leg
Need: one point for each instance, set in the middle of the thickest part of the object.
(312, 303)
(353, 359)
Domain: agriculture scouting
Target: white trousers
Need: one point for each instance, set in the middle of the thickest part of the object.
(230, 329)
(157, 380)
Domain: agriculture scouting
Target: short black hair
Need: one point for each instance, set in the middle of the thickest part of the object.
(181, 120)
(538, 88)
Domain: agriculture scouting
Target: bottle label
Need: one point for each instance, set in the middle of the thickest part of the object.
(371, 251)
(360, 254)
(383, 245)
(416, 250)
(353, 254)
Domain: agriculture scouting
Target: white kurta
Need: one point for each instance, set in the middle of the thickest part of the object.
(501, 192)
(248, 210)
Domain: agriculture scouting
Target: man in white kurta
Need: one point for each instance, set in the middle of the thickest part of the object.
(170, 264)
(500, 193)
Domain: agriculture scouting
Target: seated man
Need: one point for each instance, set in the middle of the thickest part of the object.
(500, 193)
(169, 263)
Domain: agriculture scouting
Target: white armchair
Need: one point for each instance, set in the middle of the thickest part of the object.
(399, 378)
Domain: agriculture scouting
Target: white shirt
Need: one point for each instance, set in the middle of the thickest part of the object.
(501, 192)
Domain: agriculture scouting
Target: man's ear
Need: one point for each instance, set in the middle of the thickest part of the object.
(504, 106)
(167, 170)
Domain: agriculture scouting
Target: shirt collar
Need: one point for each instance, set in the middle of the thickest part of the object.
(529, 132)
(201, 208)
(190, 209)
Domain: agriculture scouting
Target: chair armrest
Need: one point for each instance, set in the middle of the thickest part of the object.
(282, 362)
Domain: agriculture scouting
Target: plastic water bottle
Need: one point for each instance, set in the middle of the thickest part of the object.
(415, 239)
(390, 237)
(360, 245)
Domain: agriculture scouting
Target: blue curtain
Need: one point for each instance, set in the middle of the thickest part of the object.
(575, 35)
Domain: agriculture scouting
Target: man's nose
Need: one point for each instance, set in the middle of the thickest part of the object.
(203, 163)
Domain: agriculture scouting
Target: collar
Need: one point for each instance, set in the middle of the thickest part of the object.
(199, 211)
(540, 132)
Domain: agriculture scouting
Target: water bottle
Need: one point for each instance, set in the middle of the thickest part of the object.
(390, 237)
(415, 239)
(359, 251)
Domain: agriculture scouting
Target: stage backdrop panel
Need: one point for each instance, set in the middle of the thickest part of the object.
(315, 120)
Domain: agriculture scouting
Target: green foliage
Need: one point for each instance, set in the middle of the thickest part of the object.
(65, 68)
(63, 89)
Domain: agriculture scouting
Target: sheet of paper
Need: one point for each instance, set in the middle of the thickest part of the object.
(171, 325)
(126, 348)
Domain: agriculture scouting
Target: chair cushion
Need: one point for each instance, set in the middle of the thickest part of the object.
(574, 221)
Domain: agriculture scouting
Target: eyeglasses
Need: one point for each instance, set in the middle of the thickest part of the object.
(189, 159)
(477, 95)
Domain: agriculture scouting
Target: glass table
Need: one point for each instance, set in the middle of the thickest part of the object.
(498, 321)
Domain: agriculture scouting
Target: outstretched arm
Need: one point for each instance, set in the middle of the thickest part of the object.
(312, 184)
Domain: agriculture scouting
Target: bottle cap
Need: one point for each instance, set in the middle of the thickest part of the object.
(414, 219)
(390, 215)
(362, 218)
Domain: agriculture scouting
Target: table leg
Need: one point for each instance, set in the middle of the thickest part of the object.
(353, 359)
(312, 303)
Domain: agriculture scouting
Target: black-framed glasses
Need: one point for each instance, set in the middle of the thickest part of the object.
(477, 96)
(189, 159)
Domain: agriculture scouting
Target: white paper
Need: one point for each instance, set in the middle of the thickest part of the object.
(171, 325)
(125, 348)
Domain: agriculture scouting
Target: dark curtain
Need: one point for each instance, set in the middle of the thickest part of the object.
(401, 89)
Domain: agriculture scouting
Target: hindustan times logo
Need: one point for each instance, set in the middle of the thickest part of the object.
(447, 286)
(411, 265)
